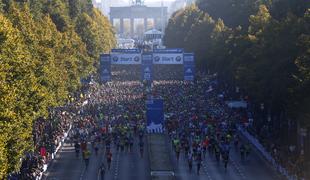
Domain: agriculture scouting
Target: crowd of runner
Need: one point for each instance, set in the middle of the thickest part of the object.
(198, 121)
(112, 116)
(48, 135)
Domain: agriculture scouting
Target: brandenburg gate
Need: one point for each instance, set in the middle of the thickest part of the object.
(139, 11)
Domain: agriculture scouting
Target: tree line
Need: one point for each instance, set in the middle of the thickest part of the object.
(46, 48)
(261, 46)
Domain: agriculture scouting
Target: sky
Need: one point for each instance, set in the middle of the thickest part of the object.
(151, 0)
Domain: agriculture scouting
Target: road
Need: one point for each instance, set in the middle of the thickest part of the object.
(130, 166)
(125, 165)
(255, 168)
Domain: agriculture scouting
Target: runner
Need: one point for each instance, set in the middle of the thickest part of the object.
(190, 161)
(102, 171)
(86, 155)
(77, 149)
(247, 150)
(242, 152)
(109, 159)
(141, 145)
(198, 160)
(225, 159)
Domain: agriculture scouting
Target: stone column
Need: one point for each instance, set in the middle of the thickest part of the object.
(132, 23)
(111, 20)
(164, 24)
(155, 23)
(121, 26)
(145, 24)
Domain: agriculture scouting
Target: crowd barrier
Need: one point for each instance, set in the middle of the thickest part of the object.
(266, 155)
(60, 144)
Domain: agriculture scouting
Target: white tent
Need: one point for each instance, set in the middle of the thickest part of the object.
(153, 32)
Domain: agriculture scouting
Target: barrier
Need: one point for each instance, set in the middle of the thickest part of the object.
(155, 115)
(266, 155)
(45, 166)
(161, 165)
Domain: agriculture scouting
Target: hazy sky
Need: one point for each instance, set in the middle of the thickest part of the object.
(151, 0)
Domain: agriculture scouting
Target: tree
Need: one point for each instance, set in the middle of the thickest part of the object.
(301, 96)
(85, 27)
(202, 25)
(233, 12)
(18, 83)
(42, 58)
(1, 6)
(180, 24)
(259, 21)
(280, 8)
(59, 13)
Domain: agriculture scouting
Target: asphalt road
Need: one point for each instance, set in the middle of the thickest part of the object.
(124, 166)
(130, 166)
(255, 168)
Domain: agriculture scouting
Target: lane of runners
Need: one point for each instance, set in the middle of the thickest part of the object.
(107, 140)
(204, 141)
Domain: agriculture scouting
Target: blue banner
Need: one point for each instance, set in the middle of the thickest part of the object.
(147, 67)
(175, 50)
(155, 115)
(105, 67)
(189, 66)
(125, 58)
(125, 50)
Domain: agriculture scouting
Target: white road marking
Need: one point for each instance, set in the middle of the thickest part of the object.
(204, 165)
(239, 171)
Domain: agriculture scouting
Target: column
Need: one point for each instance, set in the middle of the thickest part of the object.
(160, 24)
(132, 23)
(145, 24)
(155, 23)
(111, 20)
(121, 26)
(164, 24)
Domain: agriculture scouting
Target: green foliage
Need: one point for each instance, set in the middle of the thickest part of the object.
(17, 85)
(280, 8)
(233, 12)
(96, 32)
(1, 6)
(180, 24)
(85, 27)
(44, 52)
(258, 45)
(58, 11)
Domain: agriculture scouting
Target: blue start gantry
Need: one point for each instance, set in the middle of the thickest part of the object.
(147, 60)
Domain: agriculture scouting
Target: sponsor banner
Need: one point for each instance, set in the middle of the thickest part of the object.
(125, 50)
(147, 68)
(189, 66)
(189, 73)
(175, 50)
(105, 67)
(189, 59)
(155, 115)
(167, 58)
(126, 58)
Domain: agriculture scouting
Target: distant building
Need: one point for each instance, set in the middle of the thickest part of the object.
(132, 21)
(104, 5)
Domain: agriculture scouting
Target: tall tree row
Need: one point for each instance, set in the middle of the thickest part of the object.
(261, 46)
(46, 47)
